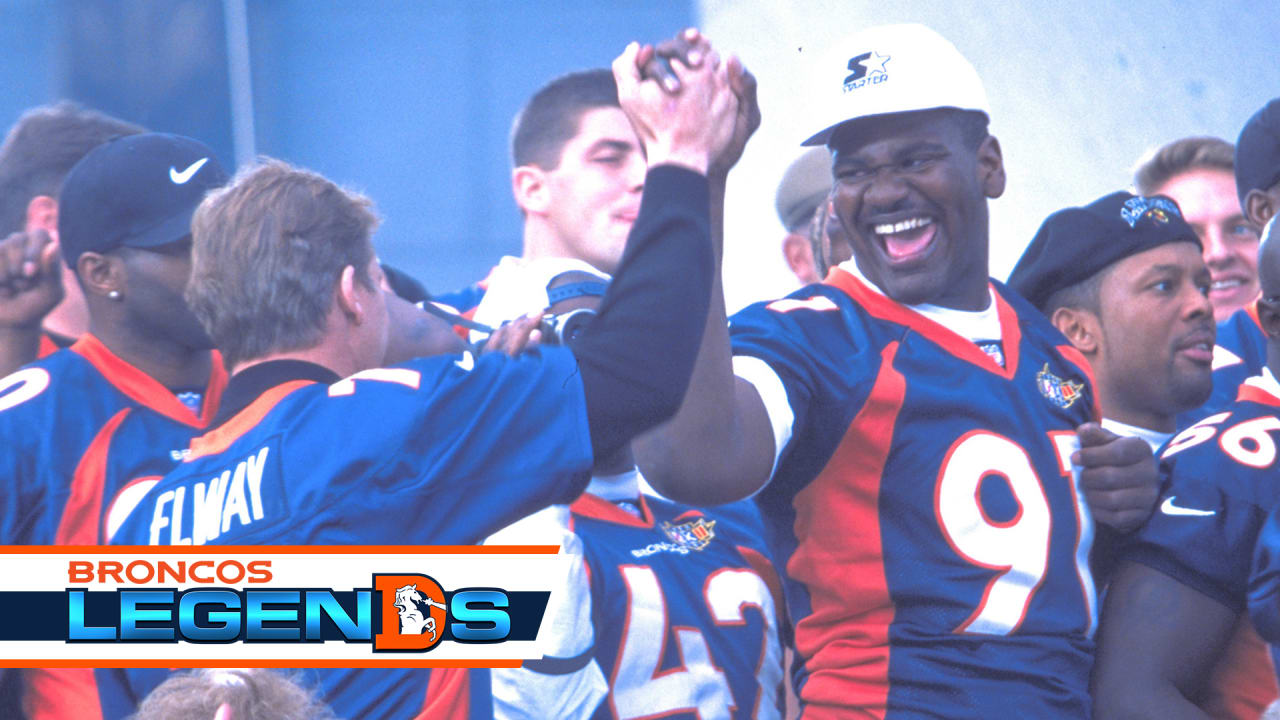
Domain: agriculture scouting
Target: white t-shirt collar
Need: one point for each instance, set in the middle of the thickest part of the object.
(973, 325)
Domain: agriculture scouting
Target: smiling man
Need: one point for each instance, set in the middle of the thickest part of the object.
(909, 428)
(1198, 173)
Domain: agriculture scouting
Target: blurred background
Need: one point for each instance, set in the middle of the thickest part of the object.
(410, 101)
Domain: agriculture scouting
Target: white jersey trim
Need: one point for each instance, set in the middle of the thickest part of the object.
(1152, 437)
(774, 396)
(1265, 382)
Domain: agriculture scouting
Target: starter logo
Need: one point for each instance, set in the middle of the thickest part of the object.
(268, 606)
(866, 69)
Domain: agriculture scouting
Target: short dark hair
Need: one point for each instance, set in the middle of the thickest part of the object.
(1181, 156)
(974, 126)
(41, 149)
(1086, 295)
(267, 253)
(551, 117)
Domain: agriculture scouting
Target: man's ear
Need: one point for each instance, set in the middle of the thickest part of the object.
(1259, 207)
(799, 256)
(102, 274)
(991, 167)
(346, 297)
(42, 214)
(1080, 326)
(529, 186)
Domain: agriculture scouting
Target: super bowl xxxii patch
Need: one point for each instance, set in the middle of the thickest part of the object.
(693, 535)
(1157, 208)
(1062, 393)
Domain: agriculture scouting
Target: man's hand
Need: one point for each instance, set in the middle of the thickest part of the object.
(689, 48)
(691, 126)
(514, 337)
(30, 279)
(1118, 475)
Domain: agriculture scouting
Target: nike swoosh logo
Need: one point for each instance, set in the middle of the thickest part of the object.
(1168, 508)
(181, 178)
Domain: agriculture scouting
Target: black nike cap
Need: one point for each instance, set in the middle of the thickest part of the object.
(1076, 243)
(135, 191)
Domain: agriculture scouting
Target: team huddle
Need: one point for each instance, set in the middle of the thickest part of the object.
(905, 490)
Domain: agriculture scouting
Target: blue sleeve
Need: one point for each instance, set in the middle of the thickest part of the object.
(819, 350)
(476, 445)
(1201, 533)
(24, 416)
(637, 356)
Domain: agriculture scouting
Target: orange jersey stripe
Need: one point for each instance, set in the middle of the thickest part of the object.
(845, 640)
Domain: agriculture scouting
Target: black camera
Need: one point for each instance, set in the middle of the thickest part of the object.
(566, 327)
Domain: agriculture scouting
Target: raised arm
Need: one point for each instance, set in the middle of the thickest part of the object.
(637, 359)
(719, 446)
(30, 286)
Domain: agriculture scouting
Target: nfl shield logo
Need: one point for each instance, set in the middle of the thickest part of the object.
(693, 535)
(1062, 393)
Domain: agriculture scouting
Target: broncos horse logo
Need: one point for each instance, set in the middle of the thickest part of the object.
(415, 611)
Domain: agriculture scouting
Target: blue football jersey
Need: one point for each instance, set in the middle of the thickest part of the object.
(51, 413)
(1239, 352)
(441, 450)
(1218, 489)
(673, 613)
(128, 456)
(934, 539)
(1254, 443)
(1216, 496)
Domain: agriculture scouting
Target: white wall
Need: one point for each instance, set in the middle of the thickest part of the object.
(1078, 91)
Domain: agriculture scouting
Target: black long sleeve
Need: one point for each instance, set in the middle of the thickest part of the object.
(637, 356)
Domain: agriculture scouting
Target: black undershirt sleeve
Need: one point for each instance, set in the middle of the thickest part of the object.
(637, 355)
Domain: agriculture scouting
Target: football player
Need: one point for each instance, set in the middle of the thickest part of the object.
(908, 427)
(441, 450)
(1183, 583)
(694, 585)
(124, 215)
(1123, 278)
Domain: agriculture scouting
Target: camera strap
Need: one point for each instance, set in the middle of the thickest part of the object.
(453, 317)
(594, 288)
